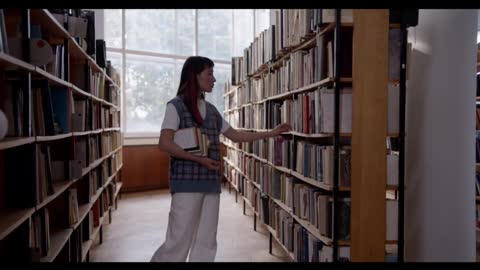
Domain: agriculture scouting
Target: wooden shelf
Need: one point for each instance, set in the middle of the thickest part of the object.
(256, 185)
(477, 166)
(97, 98)
(79, 91)
(304, 135)
(83, 211)
(76, 52)
(57, 241)
(97, 162)
(231, 91)
(478, 198)
(116, 150)
(112, 82)
(86, 245)
(96, 230)
(8, 62)
(52, 78)
(97, 131)
(82, 133)
(12, 219)
(11, 142)
(247, 202)
(311, 181)
(112, 129)
(50, 26)
(261, 69)
(274, 236)
(231, 110)
(59, 188)
(119, 186)
(111, 178)
(313, 230)
(244, 175)
(233, 185)
(53, 138)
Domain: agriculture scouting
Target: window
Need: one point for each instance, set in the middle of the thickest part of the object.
(215, 33)
(150, 61)
(113, 28)
(262, 20)
(242, 30)
(149, 83)
(162, 31)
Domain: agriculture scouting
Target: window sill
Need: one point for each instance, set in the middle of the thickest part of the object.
(140, 141)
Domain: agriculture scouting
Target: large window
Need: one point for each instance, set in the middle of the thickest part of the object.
(149, 48)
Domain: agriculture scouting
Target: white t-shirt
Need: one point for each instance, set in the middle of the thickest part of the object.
(172, 120)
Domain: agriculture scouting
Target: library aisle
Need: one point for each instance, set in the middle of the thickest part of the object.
(141, 221)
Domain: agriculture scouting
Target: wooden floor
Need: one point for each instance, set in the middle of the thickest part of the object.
(140, 222)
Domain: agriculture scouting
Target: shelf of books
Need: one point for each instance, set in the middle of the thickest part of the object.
(61, 158)
(477, 154)
(292, 73)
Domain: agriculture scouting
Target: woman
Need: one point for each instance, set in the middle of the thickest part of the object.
(195, 180)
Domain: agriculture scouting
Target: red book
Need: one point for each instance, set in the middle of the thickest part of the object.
(306, 113)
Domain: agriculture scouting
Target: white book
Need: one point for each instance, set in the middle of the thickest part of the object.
(192, 140)
(392, 220)
(392, 169)
(393, 108)
(187, 138)
(327, 110)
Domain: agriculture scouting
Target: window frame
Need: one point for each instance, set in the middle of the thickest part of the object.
(141, 138)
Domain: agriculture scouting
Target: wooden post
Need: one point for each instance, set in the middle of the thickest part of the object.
(369, 132)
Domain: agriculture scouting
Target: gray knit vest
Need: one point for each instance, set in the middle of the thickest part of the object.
(190, 176)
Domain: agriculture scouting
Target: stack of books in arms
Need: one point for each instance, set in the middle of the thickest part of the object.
(192, 140)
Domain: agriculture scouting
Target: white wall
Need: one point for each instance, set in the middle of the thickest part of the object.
(440, 143)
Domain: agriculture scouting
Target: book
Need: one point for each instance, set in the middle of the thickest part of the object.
(192, 140)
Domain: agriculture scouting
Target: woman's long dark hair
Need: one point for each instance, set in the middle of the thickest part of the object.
(188, 87)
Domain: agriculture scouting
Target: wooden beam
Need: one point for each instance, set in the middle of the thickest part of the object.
(369, 131)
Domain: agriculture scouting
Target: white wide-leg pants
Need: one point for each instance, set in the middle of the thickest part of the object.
(192, 226)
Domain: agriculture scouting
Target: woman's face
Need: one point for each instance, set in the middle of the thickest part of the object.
(206, 80)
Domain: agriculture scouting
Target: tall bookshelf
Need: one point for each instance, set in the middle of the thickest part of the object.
(332, 185)
(61, 161)
(477, 167)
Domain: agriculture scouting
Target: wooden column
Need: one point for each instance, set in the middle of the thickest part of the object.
(369, 131)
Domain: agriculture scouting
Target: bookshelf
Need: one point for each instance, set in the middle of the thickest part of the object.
(477, 164)
(322, 179)
(61, 161)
